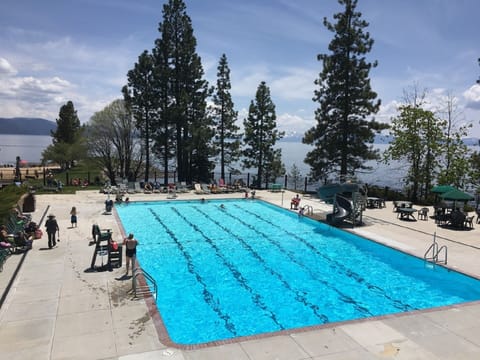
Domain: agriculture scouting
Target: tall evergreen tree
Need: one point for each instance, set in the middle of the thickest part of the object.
(180, 66)
(165, 128)
(68, 125)
(227, 137)
(261, 134)
(141, 99)
(343, 136)
(68, 143)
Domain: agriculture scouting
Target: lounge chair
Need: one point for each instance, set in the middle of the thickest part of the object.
(147, 189)
(182, 187)
(199, 190)
(205, 189)
(131, 187)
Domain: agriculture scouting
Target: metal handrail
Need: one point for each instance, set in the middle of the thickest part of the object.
(308, 209)
(142, 290)
(436, 251)
(444, 247)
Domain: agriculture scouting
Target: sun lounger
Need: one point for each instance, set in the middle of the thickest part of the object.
(182, 187)
(199, 189)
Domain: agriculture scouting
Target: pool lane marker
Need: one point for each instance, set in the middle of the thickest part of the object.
(256, 298)
(207, 295)
(339, 266)
(313, 275)
(299, 295)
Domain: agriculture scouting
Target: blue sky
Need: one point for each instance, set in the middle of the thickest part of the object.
(53, 51)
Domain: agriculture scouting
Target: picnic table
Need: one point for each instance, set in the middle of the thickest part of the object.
(406, 213)
(375, 202)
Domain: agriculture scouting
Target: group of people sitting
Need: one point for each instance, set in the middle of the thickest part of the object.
(79, 182)
(19, 232)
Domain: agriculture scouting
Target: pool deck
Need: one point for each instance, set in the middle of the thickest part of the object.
(57, 309)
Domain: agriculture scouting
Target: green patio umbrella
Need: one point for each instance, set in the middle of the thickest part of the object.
(457, 195)
(441, 189)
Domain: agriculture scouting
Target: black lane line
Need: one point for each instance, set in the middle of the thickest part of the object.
(256, 298)
(314, 276)
(299, 296)
(339, 266)
(207, 295)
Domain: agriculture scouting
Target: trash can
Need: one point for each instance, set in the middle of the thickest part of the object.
(29, 203)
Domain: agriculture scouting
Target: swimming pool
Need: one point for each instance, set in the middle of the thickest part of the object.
(251, 267)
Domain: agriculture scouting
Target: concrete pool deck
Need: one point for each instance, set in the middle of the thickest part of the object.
(57, 309)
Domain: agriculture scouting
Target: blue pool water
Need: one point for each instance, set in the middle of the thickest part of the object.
(252, 267)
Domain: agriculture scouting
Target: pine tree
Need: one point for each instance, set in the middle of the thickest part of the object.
(68, 125)
(180, 73)
(343, 135)
(224, 116)
(164, 136)
(67, 140)
(141, 99)
(261, 134)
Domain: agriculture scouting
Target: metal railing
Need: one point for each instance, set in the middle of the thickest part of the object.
(435, 251)
(140, 283)
(308, 209)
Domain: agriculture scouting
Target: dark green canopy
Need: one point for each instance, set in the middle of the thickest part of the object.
(441, 189)
(457, 195)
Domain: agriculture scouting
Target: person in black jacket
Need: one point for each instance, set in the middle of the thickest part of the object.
(52, 227)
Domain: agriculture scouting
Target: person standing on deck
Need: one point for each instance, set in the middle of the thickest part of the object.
(52, 227)
(73, 216)
(130, 244)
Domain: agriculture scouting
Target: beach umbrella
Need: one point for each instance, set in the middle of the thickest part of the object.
(457, 195)
(441, 189)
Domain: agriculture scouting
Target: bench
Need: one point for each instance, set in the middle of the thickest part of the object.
(275, 187)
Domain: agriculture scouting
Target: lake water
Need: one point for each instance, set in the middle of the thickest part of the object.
(30, 147)
(380, 175)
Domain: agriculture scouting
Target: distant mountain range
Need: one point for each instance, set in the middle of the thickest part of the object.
(26, 126)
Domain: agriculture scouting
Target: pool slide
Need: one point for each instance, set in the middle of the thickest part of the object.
(343, 209)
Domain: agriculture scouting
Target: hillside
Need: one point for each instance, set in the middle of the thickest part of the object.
(26, 126)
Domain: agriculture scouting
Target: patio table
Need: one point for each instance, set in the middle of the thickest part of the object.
(406, 213)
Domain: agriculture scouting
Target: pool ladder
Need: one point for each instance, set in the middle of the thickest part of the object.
(308, 209)
(434, 251)
(140, 283)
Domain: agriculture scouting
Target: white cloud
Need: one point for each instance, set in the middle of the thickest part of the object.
(472, 97)
(296, 83)
(31, 96)
(6, 69)
(294, 123)
(245, 81)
